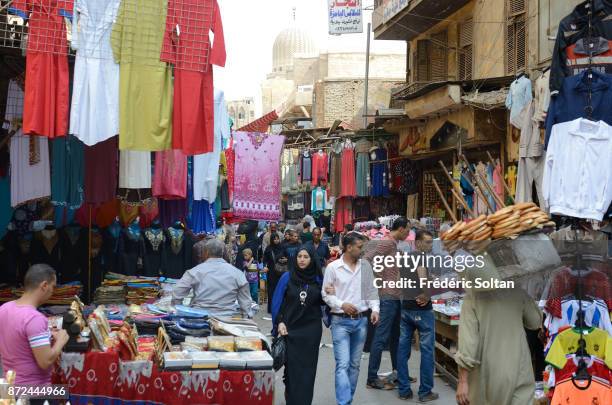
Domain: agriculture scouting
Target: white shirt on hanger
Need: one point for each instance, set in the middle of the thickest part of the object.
(577, 173)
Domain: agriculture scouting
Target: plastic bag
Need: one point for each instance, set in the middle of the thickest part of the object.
(279, 352)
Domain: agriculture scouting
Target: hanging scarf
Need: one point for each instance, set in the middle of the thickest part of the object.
(309, 275)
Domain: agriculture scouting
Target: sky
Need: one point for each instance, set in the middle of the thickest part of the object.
(250, 27)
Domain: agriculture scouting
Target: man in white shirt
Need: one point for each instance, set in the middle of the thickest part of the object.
(352, 280)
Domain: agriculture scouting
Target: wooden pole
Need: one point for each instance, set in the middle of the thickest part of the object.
(463, 202)
(502, 177)
(89, 261)
(484, 182)
(457, 190)
(443, 198)
(490, 190)
(478, 190)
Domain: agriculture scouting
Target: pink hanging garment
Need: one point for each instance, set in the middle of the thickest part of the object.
(498, 185)
(170, 175)
(257, 182)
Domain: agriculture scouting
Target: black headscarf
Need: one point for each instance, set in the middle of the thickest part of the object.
(310, 274)
(277, 248)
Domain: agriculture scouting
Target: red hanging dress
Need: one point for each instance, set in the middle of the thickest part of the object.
(187, 46)
(47, 95)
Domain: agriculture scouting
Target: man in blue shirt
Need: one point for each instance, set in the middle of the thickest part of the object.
(320, 247)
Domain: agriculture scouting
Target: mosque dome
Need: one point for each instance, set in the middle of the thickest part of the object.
(289, 42)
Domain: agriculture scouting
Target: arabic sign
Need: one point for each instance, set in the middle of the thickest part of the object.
(345, 17)
(392, 7)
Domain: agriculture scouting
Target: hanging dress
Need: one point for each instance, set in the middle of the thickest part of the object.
(380, 174)
(178, 256)
(362, 149)
(29, 156)
(257, 171)
(47, 94)
(171, 211)
(135, 176)
(348, 188)
(335, 171)
(145, 82)
(67, 172)
(192, 54)
(170, 175)
(154, 249)
(131, 248)
(206, 166)
(95, 91)
(101, 171)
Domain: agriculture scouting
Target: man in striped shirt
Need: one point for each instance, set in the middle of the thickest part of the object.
(26, 344)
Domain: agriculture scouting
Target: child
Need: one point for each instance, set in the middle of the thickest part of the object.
(251, 272)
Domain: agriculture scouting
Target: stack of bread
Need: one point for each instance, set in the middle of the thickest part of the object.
(505, 223)
(518, 218)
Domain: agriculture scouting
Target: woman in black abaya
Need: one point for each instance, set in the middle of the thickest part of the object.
(273, 252)
(298, 299)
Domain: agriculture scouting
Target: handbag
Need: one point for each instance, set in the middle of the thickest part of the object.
(279, 352)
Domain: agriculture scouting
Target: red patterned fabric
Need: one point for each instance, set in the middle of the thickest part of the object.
(257, 175)
(101, 378)
(260, 124)
(170, 175)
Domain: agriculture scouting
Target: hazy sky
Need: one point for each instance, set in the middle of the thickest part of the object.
(250, 27)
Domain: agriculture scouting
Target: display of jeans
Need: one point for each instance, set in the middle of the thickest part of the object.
(424, 322)
(348, 337)
(386, 334)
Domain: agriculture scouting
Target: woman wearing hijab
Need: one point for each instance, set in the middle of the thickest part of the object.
(273, 252)
(296, 314)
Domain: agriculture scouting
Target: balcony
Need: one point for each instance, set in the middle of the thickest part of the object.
(405, 19)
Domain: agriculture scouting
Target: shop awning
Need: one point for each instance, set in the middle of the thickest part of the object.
(260, 124)
(486, 100)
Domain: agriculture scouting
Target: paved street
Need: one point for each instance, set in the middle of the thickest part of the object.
(324, 390)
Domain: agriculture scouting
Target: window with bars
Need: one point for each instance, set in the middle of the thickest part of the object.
(516, 36)
(431, 59)
(466, 50)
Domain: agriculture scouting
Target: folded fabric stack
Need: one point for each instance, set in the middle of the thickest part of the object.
(110, 294)
(6, 294)
(62, 294)
(141, 291)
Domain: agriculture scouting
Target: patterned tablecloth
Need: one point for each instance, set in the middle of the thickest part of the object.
(101, 378)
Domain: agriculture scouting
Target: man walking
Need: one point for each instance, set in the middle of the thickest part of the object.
(352, 281)
(388, 329)
(320, 247)
(417, 313)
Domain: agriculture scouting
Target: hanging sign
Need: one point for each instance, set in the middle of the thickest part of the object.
(392, 7)
(345, 17)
